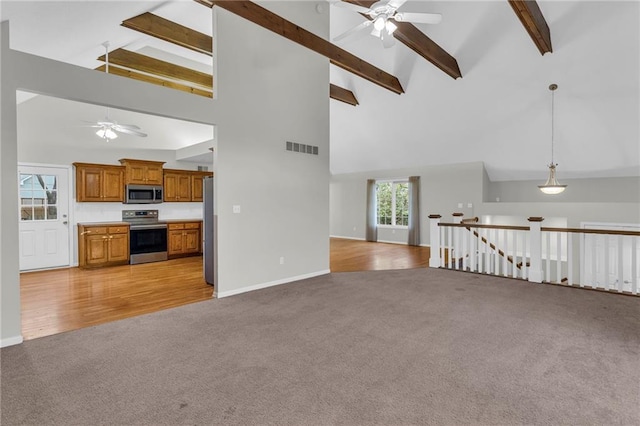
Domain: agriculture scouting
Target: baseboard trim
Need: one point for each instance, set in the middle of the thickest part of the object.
(347, 238)
(404, 243)
(270, 284)
(11, 341)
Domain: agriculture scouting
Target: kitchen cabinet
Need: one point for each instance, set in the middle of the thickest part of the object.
(184, 239)
(103, 245)
(142, 172)
(196, 184)
(177, 185)
(99, 182)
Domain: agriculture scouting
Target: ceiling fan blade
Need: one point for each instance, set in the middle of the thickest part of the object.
(353, 30)
(127, 126)
(418, 18)
(133, 132)
(396, 3)
(351, 6)
(387, 39)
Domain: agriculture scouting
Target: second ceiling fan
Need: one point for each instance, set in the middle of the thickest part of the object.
(382, 15)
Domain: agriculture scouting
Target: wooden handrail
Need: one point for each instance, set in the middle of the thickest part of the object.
(526, 228)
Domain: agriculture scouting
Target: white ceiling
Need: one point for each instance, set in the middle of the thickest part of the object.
(499, 112)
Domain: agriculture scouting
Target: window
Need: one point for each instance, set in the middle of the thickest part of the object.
(38, 197)
(392, 200)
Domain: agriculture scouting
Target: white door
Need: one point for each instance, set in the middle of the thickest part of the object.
(44, 217)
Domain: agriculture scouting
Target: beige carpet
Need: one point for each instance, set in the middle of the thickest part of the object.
(388, 347)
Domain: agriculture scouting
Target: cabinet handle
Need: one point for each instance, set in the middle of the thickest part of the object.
(110, 236)
(104, 236)
(85, 232)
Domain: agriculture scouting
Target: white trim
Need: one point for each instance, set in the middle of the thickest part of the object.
(393, 242)
(347, 238)
(11, 341)
(270, 284)
(392, 226)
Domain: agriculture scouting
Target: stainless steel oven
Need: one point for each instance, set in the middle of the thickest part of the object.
(147, 236)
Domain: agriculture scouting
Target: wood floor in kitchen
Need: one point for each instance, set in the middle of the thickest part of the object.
(67, 299)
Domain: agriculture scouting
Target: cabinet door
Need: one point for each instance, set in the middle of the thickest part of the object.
(184, 187)
(96, 249)
(196, 188)
(176, 243)
(118, 247)
(170, 187)
(153, 175)
(113, 189)
(89, 183)
(136, 174)
(192, 241)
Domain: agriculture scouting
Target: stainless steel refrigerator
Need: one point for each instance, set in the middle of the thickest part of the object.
(209, 232)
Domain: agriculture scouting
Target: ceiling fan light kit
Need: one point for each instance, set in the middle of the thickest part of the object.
(382, 14)
(106, 133)
(552, 186)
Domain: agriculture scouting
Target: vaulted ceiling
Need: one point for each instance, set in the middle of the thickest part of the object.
(498, 112)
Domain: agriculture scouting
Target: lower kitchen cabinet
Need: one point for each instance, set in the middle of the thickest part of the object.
(184, 239)
(100, 245)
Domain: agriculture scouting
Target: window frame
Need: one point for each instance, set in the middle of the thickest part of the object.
(393, 183)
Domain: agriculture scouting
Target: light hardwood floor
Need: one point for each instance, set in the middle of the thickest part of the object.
(68, 299)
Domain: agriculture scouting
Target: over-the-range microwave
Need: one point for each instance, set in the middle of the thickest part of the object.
(142, 194)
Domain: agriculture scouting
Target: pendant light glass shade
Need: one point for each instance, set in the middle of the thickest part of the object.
(551, 186)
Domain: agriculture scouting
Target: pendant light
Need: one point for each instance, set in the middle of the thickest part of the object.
(552, 186)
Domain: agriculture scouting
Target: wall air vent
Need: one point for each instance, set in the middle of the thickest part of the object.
(302, 148)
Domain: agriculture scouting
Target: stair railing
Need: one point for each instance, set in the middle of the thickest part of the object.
(539, 254)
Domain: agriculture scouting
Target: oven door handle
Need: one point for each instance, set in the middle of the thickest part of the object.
(150, 226)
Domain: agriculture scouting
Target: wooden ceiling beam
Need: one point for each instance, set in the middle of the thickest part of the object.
(156, 26)
(154, 80)
(531, 17)
(337, 56)
(417, 41)
(138, 62)
(340, 94)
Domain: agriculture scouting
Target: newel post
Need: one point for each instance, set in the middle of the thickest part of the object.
(535, 236)
(434, 237)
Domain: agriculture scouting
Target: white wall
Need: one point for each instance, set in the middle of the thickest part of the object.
(442, 188)
(271, 90)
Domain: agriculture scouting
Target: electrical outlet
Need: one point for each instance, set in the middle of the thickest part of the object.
(354, 228)
(236, 209)
(459, 205)
(282, 260)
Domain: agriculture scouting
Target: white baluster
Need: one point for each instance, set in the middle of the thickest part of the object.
(558, 257)
(496, 256)
(634, 265)
(514, 256)
(570, 258)
(548, 262)
(620, 263)
(505, 252)
(594, 277)
(607, 284)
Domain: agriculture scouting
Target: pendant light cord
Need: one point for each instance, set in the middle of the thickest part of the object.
(552, 122)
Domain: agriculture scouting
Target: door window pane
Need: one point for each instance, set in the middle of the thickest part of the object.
(38, 197)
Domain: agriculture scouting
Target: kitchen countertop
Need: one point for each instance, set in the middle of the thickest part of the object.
(180, 220)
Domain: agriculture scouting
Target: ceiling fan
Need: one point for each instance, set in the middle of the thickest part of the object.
(109, 129)
(382, 14)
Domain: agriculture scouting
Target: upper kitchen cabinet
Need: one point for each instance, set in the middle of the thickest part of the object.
(177, 185)
(99, 182)
(142, 172)
(196, 184)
